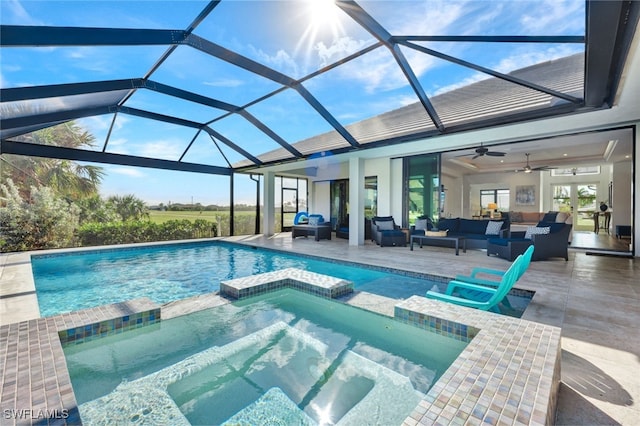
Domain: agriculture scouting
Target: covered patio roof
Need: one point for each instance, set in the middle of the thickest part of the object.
(240, 85)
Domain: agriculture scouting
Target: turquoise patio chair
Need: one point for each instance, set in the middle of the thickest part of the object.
(480, 296)
(473, 278)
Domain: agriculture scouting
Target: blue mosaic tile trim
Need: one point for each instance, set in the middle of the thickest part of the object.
(109, 327)
(122, 248)
(454, 330)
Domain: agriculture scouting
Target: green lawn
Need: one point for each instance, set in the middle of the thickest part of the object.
(163, 216)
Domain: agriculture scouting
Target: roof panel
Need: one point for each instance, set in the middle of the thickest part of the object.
(301, 37)
(369, 94)
(206, 75)
(499, 57)
(116, 14)
(495, 17)
(277, 112)
(55, 65)
(159, 140)
(376, 85)
(60, 103)
(169, 105)
(204, 150)
(245, 135)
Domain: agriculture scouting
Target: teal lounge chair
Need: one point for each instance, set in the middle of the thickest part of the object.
(481, 297)
(473, 278)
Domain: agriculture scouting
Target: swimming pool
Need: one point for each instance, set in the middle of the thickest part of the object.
(285, 356)
(73, 281)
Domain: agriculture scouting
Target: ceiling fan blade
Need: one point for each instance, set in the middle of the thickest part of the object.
(496, 154)
(476, 156)
(543, 168)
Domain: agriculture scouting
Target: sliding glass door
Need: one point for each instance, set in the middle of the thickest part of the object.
(422, 187)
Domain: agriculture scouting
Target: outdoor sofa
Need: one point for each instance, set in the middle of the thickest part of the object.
(475, 231)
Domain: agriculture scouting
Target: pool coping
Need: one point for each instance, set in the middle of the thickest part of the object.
(509, 373)
(36, 387)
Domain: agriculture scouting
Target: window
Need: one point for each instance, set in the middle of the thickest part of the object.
(576, 171)
(291, 193)
(500, 197)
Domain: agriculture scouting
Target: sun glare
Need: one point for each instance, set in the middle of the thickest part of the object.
(323, 22)
(322, 11)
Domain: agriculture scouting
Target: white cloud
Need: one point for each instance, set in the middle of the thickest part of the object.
(18, 15)
(128, 171)
(281, 61)
(92, 59)
(338, 49)
(95, 124)
(118, 146)
(554, 16)
(433, 17)
(376, 71)
(166, 149)
(224, 82)
(531, 56)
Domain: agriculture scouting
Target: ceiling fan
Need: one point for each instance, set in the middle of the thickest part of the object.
(529, 169)
(482, 151)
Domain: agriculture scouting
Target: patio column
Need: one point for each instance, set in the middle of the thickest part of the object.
(356, 201)
(268, 224)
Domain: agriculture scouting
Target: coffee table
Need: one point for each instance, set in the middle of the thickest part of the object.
(424, 239)
(321, 231)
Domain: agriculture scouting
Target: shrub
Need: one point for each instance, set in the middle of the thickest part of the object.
(44, 221)
(92, 234)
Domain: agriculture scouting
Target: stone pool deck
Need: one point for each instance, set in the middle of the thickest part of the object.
(593, 299)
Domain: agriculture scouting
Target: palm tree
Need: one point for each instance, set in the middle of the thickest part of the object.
(128, 207)
(66, 178)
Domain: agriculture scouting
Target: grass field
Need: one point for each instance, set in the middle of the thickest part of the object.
(163, 216)
(244, 220)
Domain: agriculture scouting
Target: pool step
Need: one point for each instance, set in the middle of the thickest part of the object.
(300, 279)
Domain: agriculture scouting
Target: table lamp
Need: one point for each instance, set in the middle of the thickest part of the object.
(492, 207)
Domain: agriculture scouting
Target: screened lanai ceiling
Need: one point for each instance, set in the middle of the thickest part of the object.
(224, 86)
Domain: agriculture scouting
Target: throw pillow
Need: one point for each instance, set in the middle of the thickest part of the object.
(385, 225)
(314, 220)
(516, 216)
(493, 228)
(562, 217)
(536, 230)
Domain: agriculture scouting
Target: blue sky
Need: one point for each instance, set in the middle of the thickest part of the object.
(295, 38)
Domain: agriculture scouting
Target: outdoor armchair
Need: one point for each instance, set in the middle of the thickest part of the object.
(553, 244)
(385, 232)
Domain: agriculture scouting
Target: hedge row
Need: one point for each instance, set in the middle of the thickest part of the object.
(97, 234)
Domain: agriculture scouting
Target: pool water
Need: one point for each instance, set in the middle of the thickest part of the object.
(74, 281)
(282, 358)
